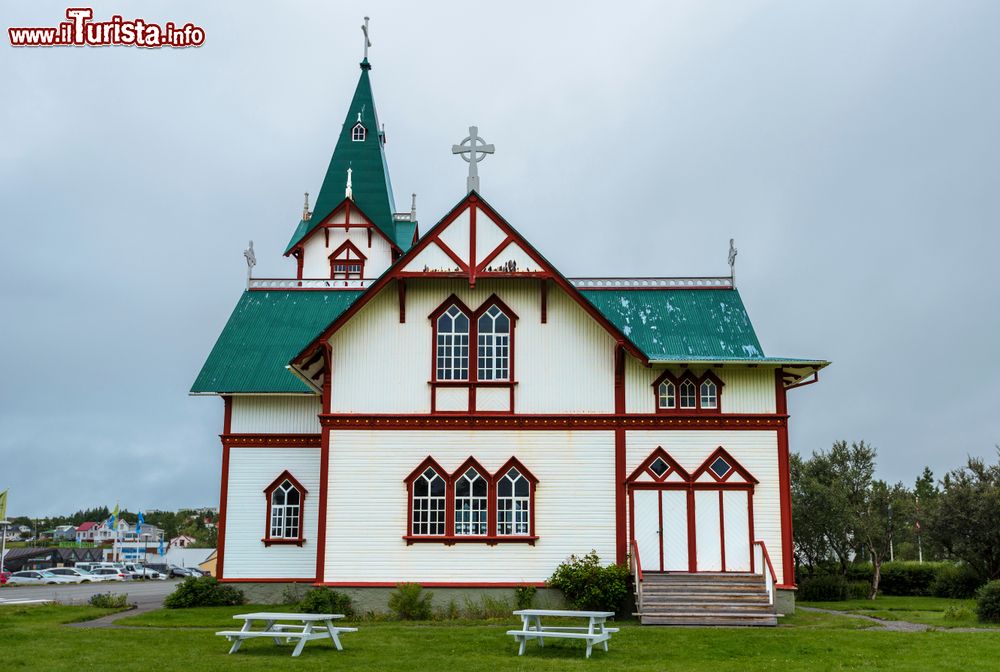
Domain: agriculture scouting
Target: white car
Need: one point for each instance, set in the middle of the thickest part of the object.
(109, 574)
(37, 577)
(82, 574)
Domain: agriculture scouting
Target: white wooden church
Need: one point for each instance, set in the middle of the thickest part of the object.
(441, 405)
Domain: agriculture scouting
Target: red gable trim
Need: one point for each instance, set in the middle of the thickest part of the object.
(350, 206)
(735, 467)
(472, 200)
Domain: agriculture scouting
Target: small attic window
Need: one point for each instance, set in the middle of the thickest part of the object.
(358, 133)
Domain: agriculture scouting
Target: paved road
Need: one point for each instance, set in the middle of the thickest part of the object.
(146, 594)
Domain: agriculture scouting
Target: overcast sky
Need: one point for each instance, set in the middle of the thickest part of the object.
(850, 148)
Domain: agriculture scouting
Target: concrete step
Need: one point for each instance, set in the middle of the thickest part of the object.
(696, 607)
(752, 602)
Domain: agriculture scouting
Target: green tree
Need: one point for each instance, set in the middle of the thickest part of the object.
(966, 517)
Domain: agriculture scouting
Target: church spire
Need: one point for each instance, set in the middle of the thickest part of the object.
(360, 146)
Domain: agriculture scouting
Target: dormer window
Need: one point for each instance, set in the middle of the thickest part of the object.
(688, 393)
(347, 263)
(358, 133)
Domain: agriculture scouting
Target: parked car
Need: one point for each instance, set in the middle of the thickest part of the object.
(110, 573)
(84, 575)
(37, 578)
(139, 571)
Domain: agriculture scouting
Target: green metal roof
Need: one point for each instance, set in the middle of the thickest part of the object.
(369, 171)
(681, 324)
(404, 234)
(267, 329)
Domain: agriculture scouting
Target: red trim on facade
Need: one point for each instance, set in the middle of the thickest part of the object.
(544, 289)
(594, 421)
(220, 555)
(324, 466)
(270, 440)
(673, 465)
(621, 538)
(299, 538)
(396, 272)
(472, 247)
(401, 288)
(734, 468)
(784, 485)
(484, 264)
(227, 414)
(295, 580)
(346, 204)
(431, 584)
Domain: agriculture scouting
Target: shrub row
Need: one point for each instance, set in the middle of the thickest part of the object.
(940, 579)
(203, 591)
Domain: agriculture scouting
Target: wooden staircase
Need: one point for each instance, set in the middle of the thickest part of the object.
(709, 598)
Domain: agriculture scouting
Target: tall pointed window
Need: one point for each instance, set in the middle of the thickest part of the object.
(471, 515)
(666, 394)
(358, 133)
(688, 395)
(513, 503)
(428, 504)
(709, 394)
(452, 360)
(493, 345)
(285, 501)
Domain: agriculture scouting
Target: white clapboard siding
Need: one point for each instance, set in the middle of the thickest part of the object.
(275, 414)
(746, 390)
(316, 262)
(757, 451)
(250, 471)
(367, 512)
(382, 366)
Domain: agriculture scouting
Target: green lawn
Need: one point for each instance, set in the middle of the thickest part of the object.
(32, 638)
(927, 610)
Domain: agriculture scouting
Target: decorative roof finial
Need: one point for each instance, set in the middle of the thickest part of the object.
(413, 209)
(368, 42)
(732, 262)
(477, 149)
(251, 262)
(349, 193)
(306, 215)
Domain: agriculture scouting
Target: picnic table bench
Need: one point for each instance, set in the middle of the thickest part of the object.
(303, 627)
(531, 628)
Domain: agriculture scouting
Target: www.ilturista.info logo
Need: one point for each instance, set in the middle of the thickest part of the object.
(81, 31)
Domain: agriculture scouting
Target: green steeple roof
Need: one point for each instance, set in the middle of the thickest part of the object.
(369, 171)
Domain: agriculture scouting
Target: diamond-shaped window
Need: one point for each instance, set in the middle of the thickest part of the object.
(659, 467)
(720, 467)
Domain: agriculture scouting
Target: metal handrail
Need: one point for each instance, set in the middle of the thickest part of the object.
(762, 560)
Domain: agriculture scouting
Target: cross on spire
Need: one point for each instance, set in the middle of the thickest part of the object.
(368, 42)
(476, 149)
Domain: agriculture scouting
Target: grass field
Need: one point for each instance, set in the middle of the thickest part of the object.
(928, 610)
(34, 638)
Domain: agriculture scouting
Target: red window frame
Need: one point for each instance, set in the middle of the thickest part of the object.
(472, 381)
(450, 537)
(342, 255)
(299, 539)
(696, 381)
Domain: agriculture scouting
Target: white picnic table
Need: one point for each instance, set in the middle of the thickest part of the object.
(531, 627)
(301, 627)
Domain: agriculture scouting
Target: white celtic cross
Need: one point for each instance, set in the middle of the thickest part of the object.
(477, 149)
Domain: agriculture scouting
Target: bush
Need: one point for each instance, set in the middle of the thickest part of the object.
(988, 602)
(109, 600)
(588, 585)
(908, 578)
(829, 588)
(203, 591)
(326, 601)
(524, 596)
(957, 613)
(858, 590)
(861, 572)
(955, 581)
(409, 602)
